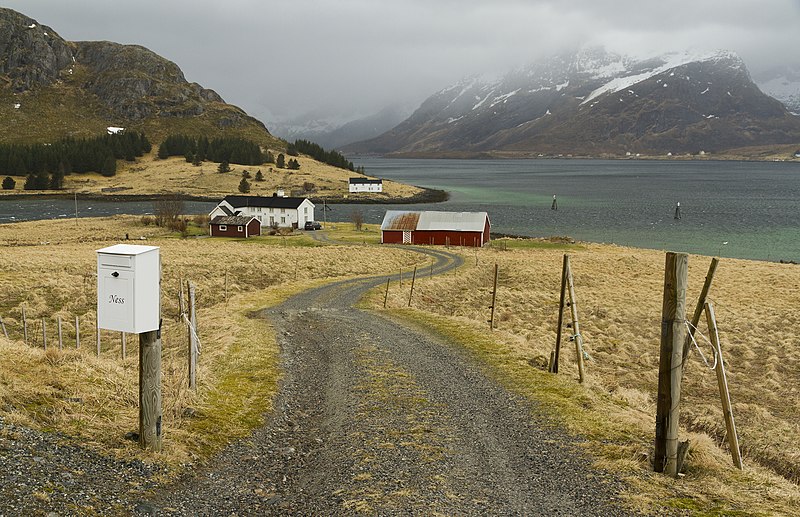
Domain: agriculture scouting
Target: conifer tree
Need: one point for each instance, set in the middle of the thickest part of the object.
(259, 176)
(244, 186)
(280, 162)
(224, 166)
(9, 183)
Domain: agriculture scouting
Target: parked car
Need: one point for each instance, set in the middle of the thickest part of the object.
(312, 225)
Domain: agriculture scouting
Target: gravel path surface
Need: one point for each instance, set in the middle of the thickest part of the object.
(371, 418)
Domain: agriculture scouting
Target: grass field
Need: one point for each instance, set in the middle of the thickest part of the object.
(174, 176)
(619, 293)
(48, 267)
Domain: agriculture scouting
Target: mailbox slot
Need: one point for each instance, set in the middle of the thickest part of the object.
(118, 261)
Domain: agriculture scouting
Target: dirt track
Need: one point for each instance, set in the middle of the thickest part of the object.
(374, 417)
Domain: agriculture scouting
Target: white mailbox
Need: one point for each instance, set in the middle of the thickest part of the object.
(128, 288)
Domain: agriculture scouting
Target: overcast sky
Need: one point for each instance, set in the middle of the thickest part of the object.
(281, 58)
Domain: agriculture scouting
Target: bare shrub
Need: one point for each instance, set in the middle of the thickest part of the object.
(357, 217)
(201, 220)
(147, 220)
(168, 210)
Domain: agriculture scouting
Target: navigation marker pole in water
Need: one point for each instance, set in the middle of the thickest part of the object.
(554, 206)
(678, 210)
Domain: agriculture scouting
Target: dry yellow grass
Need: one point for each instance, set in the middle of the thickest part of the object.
(174, 176)
(49, 267)
(619, 293)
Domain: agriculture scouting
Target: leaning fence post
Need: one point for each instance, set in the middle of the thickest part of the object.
(4, 327)
(494, 297)
(576, 329)
(673, 328)
(413, 279)
(724, 394)
(559, 328)
(386, 294)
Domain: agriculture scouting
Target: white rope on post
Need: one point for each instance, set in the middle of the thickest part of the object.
(699, 351)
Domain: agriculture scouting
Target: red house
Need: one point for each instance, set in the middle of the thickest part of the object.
(234, 226)
(436, 228)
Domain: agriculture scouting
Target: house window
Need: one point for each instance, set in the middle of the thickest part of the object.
(283, 210)
(283, 220)
(238, 228)
(222, 227)
(305, 210)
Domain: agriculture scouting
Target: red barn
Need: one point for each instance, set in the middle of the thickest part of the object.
(442, 228)
(234, 226)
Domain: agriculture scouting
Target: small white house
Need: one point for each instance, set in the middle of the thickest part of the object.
(276, 210)
(366, 185)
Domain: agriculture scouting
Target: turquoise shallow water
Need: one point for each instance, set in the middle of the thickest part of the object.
(734, 209)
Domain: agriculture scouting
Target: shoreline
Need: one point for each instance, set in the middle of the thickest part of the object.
(428, 195)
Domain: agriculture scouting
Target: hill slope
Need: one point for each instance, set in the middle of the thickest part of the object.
(50, 88)
(594, 102)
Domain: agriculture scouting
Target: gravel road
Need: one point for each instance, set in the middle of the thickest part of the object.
(376, 418)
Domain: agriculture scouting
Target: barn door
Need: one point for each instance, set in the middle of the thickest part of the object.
(406, 237)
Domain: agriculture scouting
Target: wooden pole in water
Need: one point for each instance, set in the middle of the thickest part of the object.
(150, 390)
(77, 333)
(724, 394)
(573, 308)
(192, 339)
(494, 297)
(698, 311)
(413, 279)
(673, 328)
(560, 326)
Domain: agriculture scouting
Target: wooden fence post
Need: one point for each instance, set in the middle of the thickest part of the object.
(60, 342)
(192, 338)
(413, 279)
(24, 326)
(386, 294)
(77, 333)
(4, 327)
(673, 328)
(559, 328)
(400, 276)
(494, 297)
(724, 394)
(150, 390)
(698, 311)
(122, 339)
(576, 328)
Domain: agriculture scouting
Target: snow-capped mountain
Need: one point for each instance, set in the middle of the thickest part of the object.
(783, 83)
(597, 102)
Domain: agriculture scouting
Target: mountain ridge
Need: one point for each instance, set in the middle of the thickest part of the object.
(594, 102)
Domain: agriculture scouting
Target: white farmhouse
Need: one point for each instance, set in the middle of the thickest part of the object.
(365, 185)
(277, 210)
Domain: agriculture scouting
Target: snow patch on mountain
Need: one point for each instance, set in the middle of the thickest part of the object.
(668, 62)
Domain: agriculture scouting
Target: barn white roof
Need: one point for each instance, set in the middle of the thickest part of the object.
(431, 220)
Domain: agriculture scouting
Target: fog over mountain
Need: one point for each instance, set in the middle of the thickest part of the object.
(284, 59)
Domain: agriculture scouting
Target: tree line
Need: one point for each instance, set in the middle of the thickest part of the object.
(46, 165)
(317, 152)
(222, 149)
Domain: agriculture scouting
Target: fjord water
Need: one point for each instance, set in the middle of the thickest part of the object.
(728, 208)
